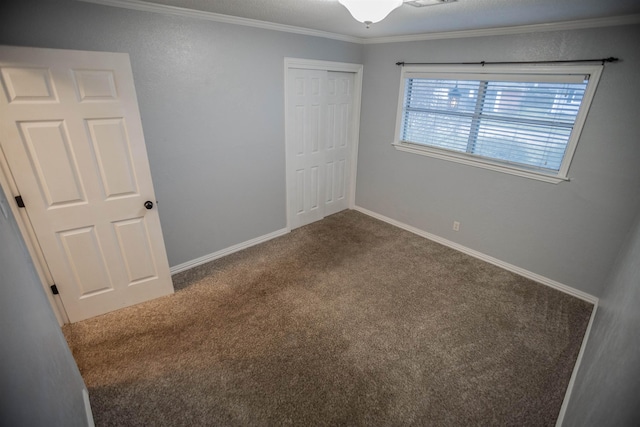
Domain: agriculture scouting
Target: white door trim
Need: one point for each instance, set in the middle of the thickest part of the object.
(28, 235)
(345, 67)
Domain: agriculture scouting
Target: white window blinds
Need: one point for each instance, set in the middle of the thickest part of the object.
(521, 120)
(527, 123)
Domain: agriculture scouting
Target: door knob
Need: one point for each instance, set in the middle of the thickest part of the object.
(148, 204)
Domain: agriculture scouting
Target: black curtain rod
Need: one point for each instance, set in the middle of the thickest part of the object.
(483, 63)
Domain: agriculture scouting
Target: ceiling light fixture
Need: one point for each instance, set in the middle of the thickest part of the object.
(370, 11)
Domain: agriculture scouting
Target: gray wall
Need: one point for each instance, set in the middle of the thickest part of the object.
(40, 384)
(212, 107)
(569, 232)
(607, 388)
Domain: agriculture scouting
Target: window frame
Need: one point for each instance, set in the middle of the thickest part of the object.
(495, 73)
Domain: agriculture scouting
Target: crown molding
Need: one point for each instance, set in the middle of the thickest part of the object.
(519, 29)
(217, 17)
(499, 31)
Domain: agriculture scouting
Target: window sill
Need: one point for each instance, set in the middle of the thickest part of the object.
(477, 162)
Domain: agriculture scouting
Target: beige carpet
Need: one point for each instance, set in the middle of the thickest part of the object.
(348, 321)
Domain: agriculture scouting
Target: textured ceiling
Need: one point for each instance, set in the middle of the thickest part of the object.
(330, 16)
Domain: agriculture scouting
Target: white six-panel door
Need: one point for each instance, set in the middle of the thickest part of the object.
(71, 133)
(308, 126)
(319, 127)
(338, 148)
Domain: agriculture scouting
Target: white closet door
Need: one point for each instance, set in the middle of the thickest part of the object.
(338, 147)
(307, 117)
(319, 116)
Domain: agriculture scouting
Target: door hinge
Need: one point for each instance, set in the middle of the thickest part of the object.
(54, 289)
(19, 201)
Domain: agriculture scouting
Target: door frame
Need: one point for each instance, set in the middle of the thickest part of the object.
(29, 236)
(344, 67)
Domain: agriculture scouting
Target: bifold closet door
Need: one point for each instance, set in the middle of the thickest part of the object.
(319, 128)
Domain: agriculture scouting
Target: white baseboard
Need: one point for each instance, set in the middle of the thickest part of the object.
(87, 407)
(491, 260)
(227, 251)
(576, 367)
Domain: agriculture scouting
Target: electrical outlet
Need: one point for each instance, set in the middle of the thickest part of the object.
(456, 226)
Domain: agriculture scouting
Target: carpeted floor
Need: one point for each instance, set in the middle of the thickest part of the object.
(347, 321)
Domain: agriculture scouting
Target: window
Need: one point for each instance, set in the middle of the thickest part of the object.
(520, 120)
